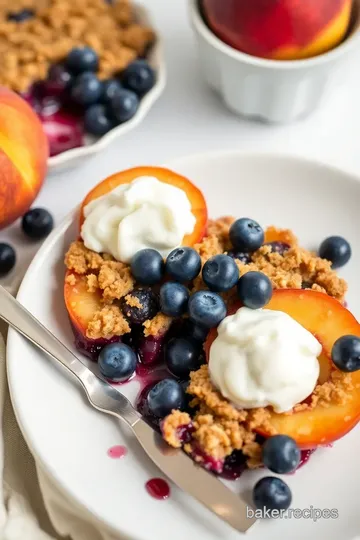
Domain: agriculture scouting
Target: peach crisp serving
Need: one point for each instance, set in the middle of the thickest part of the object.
(254, 358)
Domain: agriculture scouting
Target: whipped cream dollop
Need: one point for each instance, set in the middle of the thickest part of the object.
(263, 357)
(146, 213)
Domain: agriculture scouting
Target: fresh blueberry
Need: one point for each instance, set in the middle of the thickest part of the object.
(81, 59)
(7, 258)
(245, 258)
(195, 331)
(124, 105)
(117, 362)
(147, 266)
(37, 223)
(183, 264)
(139, 77)
(246, 235)
(97, 121)
(182, 356)
(346, 353)
(278, 247)
(86, 89)
(165, 396)
(220, 273)
(336, 250)
(254, 290)
(207, 308)
(142, 306)
(174, 299)
(281, 454)
(271, 493)
(58, 80)
(21, 16)
(110, 89)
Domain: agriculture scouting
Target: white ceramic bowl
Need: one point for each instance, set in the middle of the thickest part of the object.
(270, 90)
(93, 145)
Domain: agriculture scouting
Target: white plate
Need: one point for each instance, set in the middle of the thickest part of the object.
(71, 440)
(93, 145)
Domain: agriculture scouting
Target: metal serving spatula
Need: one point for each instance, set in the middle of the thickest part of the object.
(200, 484)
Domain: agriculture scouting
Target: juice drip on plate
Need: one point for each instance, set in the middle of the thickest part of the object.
(158, 488)
(117, 452)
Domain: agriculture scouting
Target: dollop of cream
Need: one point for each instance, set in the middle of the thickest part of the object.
(146, 213)
(263, 357)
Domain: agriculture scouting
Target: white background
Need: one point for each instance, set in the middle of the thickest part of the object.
(189, 118)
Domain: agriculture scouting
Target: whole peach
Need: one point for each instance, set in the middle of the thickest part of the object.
(279, 29)
(23, 156)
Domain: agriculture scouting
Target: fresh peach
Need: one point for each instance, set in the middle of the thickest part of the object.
(196, 198)
(279, 29)
(327, 320)
(23, 156)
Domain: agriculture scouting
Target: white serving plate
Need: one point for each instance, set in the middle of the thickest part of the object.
(70, 440)
(75, 156)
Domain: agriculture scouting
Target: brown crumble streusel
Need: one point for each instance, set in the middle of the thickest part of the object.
(132, 301)
(218, 427)
(30, 47)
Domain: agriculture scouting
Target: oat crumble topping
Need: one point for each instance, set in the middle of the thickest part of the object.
(30, 47)
(107, 322)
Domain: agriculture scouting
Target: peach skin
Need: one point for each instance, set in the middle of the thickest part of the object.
(279, 29)
(23, 156)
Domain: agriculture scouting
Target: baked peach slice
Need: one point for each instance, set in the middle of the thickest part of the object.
(196, 198)
(327, 320)
(81, 306)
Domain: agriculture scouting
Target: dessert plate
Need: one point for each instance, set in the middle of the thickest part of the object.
(71, 441)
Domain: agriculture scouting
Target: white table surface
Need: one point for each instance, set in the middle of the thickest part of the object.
(189, 118)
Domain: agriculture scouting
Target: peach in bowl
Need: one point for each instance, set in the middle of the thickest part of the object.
(277, 63)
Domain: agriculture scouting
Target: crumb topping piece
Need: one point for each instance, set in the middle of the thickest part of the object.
(107, 322)
(30, 47)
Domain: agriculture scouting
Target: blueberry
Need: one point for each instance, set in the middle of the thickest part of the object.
(37, 223)
(58, 80)
(281, 454)
(124, 105)
(147, 266)
(220, 273)
(346, 353)
(82, 59)
(165, 396)
(86, 89)
(182, 356)
(336, 250)
(246, 235)
(254, 290)
(145, 306)
(271, 493)
(174, 299)
(117, 362)
(97, 121)
(183, 264)
(245, 258)
(139, 77)
(110, 89)
(21, 16)
(207, 308)
(278, 247)
(195, 331)
(7, 258)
